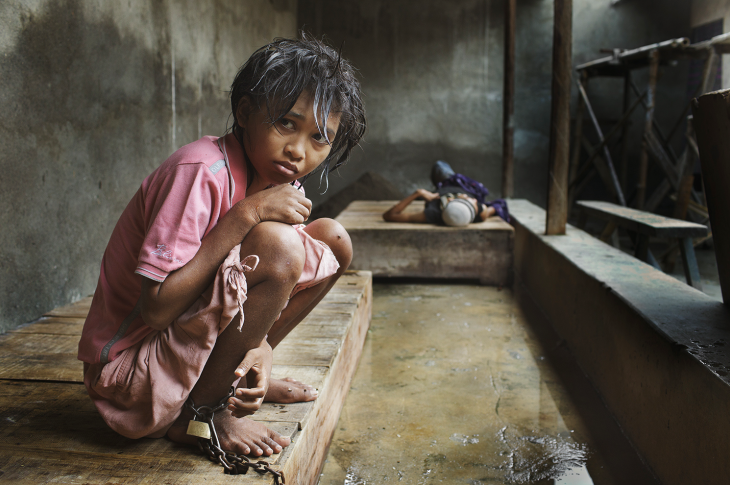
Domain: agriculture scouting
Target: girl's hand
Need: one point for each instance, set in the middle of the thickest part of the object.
(255, 370)
(282, 203)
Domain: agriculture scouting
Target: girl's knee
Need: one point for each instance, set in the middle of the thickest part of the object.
(335, 236)
(279, 249)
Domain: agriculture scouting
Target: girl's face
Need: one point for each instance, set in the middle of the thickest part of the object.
(291, 148)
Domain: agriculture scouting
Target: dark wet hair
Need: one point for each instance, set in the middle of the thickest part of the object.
(276, 75)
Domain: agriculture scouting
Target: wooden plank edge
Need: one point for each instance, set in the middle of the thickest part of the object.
(306, 459)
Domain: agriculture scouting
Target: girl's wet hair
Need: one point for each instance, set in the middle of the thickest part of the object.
(276, 75)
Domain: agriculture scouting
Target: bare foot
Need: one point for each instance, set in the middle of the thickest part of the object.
(288, 390)
(239, 435)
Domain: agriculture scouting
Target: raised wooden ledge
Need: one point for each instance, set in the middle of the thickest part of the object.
(480, 251)
(52, 433)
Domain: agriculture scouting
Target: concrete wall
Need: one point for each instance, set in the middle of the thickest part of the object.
(94, 95)
(432, 75)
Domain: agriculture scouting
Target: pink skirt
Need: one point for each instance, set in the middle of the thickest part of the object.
(142, 392)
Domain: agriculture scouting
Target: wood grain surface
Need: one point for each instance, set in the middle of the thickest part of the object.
(52, 432)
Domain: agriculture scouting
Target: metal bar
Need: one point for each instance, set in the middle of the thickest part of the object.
(614, 130)
(508, 99)
(625, 133)
(655, 149)
(658, 195)
(679, 43)
(577, 136)
(712, 59)
(657, 128)
(710, 69)
(607, 155)
(575, 193)
(651, 100)
(559, 157)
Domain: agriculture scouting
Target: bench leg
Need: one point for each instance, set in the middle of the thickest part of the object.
(689, 260)
(643, 253)
(608, 231)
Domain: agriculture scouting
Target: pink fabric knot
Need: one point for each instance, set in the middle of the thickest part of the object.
(237, 281)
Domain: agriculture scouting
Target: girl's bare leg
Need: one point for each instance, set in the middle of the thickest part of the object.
(281, 262)
(334, 235)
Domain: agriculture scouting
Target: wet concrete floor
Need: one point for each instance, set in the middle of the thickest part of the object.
(460, 383)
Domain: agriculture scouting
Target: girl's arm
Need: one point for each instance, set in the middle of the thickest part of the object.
(395, 213)
(164, 302)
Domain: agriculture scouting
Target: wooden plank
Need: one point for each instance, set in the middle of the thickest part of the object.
(308, 453)
(364, 215)
(40, 357)
(478, 251)
(53, 326)
(319, 352)
(78, 309)
(54, 434)
(642, 222)
(57, 416)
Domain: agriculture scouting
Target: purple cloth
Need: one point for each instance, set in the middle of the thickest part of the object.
(478, 191)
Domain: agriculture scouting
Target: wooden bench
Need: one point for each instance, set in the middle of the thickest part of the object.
(647, 225)
(480, 251)
(51, 432)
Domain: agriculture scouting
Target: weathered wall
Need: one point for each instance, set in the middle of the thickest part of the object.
(432, 75)
(706, 11)
(93, 96)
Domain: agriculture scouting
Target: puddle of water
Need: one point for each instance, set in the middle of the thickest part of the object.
(447, 392)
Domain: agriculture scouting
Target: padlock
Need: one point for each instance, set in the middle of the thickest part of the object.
(199, 429)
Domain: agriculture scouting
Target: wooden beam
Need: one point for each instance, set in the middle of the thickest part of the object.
(712, 128)
(559, 161)
(508, 99)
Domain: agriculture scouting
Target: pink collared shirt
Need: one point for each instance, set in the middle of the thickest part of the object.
(159, 232)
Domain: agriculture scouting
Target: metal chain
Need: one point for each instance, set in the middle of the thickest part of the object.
(232, 463)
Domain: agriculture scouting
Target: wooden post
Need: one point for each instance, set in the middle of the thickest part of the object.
(686, 177)
(559, 161)
(648, 124)
(711, 120)
(508, 99)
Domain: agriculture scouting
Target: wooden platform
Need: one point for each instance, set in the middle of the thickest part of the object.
(51, 432)
(480, 251)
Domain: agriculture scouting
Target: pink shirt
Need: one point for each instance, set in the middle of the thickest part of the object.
(160, 231)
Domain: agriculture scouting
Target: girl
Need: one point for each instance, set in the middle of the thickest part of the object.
(210, 266)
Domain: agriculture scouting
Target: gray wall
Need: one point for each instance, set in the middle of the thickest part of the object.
(432, 76)
(94, 96)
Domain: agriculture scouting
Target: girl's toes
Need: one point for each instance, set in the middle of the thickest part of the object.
(273, 445)
(279, 439)
(256, 451)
